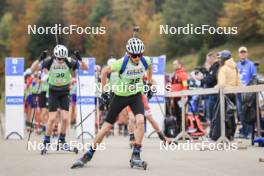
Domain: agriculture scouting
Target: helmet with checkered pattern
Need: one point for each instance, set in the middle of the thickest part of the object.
(135, 46)
(60, 51)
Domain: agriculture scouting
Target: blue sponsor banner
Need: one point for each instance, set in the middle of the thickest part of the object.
(14, 66)
(157, 99)
(90, 71)
(86, 100)
(14, 100)
(158, 64)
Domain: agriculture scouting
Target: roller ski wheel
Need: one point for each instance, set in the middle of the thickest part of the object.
(138, 163)
(81, 162)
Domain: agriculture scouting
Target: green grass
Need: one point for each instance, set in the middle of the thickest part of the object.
(255, 51)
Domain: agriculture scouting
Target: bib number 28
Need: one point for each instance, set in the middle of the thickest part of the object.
(134, 81)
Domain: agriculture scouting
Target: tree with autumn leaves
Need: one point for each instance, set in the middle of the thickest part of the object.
(119, 17)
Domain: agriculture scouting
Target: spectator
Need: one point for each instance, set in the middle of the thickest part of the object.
(210, 81)
(178, 83)
(227, 74)
(247, 70)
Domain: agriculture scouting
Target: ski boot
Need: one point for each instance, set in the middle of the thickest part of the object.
(46, 144)
(63, 145)
(135, 160)
(83, 160)
(131, 140)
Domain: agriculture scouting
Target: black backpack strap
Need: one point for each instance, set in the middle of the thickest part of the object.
(124, 64)
(68, 63)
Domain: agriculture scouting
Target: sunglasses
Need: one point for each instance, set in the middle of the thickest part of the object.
(243, 52)
(135, 55)
(60, 59)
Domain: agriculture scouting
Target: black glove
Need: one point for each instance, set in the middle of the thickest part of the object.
(77, 55)
(43, 55)
(151, 91)
(105, 98)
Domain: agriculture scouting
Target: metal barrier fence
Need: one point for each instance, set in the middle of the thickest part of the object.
(221, 91)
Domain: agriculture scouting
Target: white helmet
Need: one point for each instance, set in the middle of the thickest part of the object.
(135, 46)
(60, 51)
(110, 61)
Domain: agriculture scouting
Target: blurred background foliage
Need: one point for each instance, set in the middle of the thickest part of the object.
(119, 17)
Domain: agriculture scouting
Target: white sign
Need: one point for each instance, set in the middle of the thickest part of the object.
(86, 100)
(14, 100)
(157, 102)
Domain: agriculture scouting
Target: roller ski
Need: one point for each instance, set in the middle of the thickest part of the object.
(64, 146)
(136, 161)
(83, 160)
(46, 144)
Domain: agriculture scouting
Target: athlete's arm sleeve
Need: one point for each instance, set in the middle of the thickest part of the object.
(116, 66)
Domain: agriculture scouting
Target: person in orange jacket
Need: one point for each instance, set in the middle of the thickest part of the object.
(178, 83)
(179, 78)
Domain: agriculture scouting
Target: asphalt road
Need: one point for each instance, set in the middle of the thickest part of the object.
(114, 161)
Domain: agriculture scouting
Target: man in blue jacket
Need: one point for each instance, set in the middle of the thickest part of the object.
(247, 70)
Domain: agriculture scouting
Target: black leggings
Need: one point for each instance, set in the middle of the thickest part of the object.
(118, 103)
